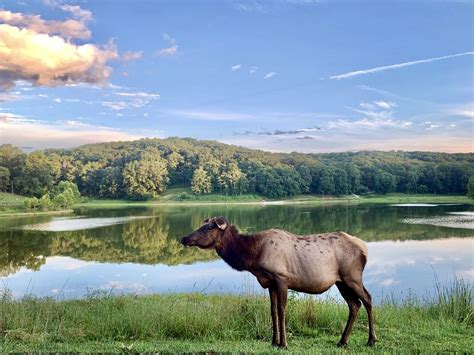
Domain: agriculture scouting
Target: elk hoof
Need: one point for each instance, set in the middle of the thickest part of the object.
(341, 344)
(371, 342)
(275, 344)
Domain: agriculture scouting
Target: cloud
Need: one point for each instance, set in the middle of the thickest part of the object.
(171, 50)
(20, 131)
(129, 56)
(235, 67)
(212, 115)
(385, 104)
(252, 70)
(130, 100)
(431, 125)
(463, 110)
(290, 132)
(77, 12)
(376, 114)
(139, 95)
(395, 66)
(9, 96)
(264, 6)
(41, 52)
(68, 28)
(270, 75)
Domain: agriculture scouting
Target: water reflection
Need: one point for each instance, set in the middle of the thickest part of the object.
(143, 255)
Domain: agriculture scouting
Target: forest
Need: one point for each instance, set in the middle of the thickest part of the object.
(145, 168)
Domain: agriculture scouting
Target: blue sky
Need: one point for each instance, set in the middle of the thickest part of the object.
(281, 75)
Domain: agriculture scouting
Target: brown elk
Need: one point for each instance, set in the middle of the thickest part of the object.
(281, 261)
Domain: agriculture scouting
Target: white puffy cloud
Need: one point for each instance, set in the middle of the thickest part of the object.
(41, 52)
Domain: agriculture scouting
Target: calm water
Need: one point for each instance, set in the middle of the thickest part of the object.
(137, 250)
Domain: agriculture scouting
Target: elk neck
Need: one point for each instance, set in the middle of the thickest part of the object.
(237, 250)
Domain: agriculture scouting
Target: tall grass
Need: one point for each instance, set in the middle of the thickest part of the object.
(105, 318)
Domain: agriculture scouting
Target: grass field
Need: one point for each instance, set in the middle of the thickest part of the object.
(216, 323)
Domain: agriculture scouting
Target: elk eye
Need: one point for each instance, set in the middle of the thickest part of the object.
(209, 227)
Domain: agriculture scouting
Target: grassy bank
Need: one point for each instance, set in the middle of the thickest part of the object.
(194, 322)
(12, 205)
(173, 198)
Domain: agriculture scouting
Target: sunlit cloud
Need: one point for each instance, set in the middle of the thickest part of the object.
(395, 66)
(41, 52)
(68, 28)
(235, 67)
(252, 70)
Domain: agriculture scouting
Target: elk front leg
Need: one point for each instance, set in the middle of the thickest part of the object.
(282, 295)
(274, 312)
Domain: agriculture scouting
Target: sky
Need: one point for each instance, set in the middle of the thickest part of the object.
(280, 75)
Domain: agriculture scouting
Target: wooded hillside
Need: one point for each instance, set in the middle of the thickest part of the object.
(145, 168)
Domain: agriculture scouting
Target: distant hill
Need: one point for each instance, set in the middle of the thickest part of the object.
(146, 167)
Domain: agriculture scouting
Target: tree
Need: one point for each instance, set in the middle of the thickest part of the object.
(470, 187)
(146, 177)
(4, 178)
(36, 178)
(201, 183)
(13, 159)
(232, 179)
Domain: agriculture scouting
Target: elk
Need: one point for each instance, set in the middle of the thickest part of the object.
(281, 261)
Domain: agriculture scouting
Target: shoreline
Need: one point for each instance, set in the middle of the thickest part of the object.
(39, 213)
(251, 201)
(312, 200)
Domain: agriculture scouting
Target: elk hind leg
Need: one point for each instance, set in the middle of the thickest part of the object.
(354, 304)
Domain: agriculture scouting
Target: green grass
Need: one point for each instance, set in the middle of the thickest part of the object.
(11, 202)
(12, 205)
(174, 196)
(198, 323)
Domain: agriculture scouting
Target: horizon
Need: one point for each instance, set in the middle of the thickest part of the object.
(281, 76)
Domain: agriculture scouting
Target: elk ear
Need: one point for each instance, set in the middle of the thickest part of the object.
(221, 222)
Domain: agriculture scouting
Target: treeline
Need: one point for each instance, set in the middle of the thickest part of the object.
(146, 168)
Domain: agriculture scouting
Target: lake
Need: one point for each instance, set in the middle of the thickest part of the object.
(136, 249)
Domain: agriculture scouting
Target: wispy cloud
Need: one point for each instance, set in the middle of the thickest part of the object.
(171, 50)
(9, 96)
(270, 75)
(280, 132)
(463, 110)
(130, 100)
(130, 55)
(376, 114)
(212, 115)
(396, 66)
(235, 67)
(21, 131)
(253, 69)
